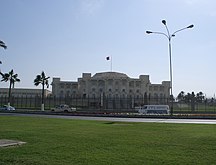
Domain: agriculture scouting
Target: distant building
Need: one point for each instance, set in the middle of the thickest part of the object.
(24, 92)
(110, 85)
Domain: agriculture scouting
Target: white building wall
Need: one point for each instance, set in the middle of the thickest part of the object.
(23, 92)
(110, 84)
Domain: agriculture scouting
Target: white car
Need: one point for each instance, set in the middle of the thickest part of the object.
(63, 108)
(7, 108)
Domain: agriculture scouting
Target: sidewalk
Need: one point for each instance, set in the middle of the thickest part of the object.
(7, 143)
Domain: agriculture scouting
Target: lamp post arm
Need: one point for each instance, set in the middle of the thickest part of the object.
(161, 34)
(169, 36)
(179, 31)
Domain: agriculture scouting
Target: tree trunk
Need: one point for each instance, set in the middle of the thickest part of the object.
(9, 93)
(42, 102)
(193, 102)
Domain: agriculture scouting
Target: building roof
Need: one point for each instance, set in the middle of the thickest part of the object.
(109, 75)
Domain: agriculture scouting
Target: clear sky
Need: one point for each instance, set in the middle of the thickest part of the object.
(65, 38)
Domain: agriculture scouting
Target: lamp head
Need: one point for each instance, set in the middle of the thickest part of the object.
(164, 22)
(148, 32)
(191, 26)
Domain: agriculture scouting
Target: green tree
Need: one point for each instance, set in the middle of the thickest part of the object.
(43, 80)
(181, 96)
(200, 97)
(187, 98)
(12, 78)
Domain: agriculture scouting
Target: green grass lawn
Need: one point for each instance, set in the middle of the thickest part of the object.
(76, 142)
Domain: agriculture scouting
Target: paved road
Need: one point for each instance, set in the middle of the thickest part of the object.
(116, 119)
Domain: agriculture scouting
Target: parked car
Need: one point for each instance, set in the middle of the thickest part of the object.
(63, 108)
(7, 108)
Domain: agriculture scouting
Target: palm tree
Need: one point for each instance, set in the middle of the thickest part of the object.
(181, 96)
(200, 97)
(12, 78)
(43, 80)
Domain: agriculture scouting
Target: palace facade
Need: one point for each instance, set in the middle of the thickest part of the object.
(110, 85)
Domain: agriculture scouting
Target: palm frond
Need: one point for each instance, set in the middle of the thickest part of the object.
(2, 44)
(17, 80)
(37, 80)
(36, 83)
(11, 72)
(5, 77)
(47, 83)
(43, 74)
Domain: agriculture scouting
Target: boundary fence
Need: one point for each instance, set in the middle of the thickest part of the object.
(104, 103)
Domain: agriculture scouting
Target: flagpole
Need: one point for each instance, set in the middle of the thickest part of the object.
(111, 63)
(109, 58)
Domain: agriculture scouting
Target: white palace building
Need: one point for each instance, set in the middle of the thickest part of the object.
(110, 85)
(104, 90)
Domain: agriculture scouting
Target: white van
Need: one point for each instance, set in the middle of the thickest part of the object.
(154, 109)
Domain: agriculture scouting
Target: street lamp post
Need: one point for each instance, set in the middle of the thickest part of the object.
(169, 37)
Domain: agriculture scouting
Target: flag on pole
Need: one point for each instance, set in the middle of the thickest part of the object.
(109, 58)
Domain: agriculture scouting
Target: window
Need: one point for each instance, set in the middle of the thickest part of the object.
(150, 88)
(124, 82)
(83, 83)
(161, 88)
(101, 83)
(155, 88)
(110, 81)
(93, 82)
(67, 86)
(68, 93)
(155, 95)
(74, 86)
(61, 93)
(131, 84)
(138, 84)
(61, 85)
